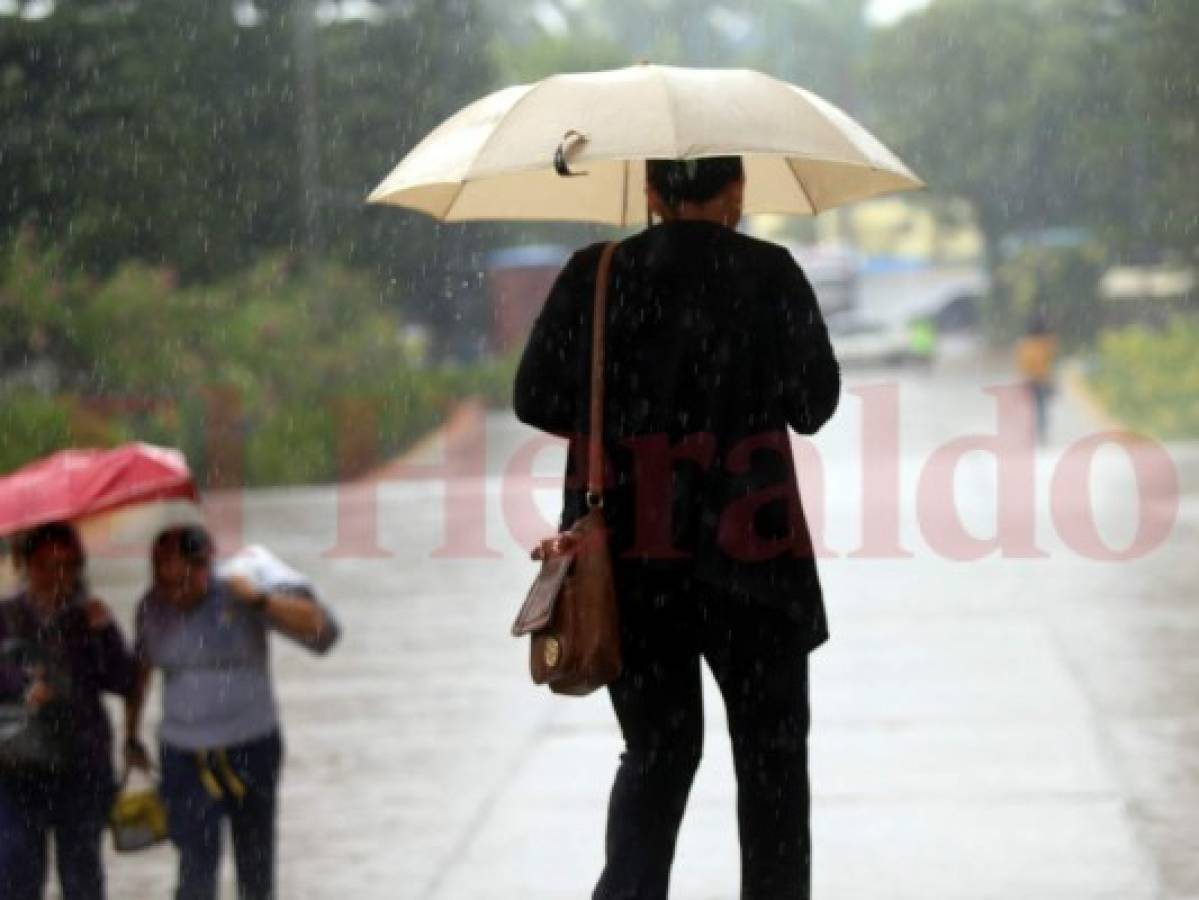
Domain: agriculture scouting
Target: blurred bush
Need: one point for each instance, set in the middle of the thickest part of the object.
(33, 425)
(1149, 379)
(281, 374)
(30, 426)
(490, 380)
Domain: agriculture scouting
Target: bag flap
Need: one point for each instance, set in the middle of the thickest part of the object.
(538, 607)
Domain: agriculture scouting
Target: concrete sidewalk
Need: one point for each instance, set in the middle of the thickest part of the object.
(1003, 728)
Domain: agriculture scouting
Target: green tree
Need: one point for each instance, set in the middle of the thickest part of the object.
(381, 87)
(1164, 35)
(169, 132)
(140, 132)
(1021, 106)
(817, 43)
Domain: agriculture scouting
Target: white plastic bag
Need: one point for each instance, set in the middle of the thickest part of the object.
(268, 572)
(265, 571)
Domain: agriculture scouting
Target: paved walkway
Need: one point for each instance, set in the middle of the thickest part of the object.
(994, 729)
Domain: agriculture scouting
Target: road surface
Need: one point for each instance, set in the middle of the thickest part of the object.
(991, 728)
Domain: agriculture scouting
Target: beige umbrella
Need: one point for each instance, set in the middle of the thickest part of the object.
(495, 159)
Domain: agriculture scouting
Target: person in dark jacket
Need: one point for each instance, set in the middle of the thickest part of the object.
(71, 650)
(714, 346)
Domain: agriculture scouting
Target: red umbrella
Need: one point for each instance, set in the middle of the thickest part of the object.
(76, 483)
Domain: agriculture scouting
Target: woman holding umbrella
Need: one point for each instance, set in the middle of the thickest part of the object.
(64, 650)
(715, 345)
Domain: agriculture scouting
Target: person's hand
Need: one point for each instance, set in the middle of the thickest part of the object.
(245, 590)
(99, 616)
(136, 755)
(39, 692)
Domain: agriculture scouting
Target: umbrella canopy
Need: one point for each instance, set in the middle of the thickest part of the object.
(495, 159)
(76, 483)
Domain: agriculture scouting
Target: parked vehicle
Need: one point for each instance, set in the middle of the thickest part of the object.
(862, 341)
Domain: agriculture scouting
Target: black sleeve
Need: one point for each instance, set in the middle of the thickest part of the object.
(141, 649)
(547, 391)
(116, 666)
(12, 670)
(810, 385)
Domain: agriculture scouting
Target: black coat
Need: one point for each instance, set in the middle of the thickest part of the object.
(714, 346)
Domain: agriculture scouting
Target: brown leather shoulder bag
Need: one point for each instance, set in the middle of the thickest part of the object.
(571, 611)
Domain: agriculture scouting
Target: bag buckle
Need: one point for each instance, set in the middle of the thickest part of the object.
(559, 545)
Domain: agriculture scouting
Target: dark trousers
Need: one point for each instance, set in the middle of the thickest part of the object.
(759, 660)
(74, 808)
(1041, 393)
(202, 790)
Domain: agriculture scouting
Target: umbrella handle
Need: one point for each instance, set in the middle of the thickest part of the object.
(571, 142)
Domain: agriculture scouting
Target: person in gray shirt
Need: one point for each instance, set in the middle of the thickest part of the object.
(220, 747)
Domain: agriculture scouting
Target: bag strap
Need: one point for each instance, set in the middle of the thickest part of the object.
(595, 444)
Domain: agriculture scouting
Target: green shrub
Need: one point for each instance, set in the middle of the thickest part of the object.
(294, 445)
(33, 425)
(490, 380)
(295, 374)
(1150, 379)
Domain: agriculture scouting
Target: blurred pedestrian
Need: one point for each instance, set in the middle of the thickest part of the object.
(63, 650)
(1036, 353)
(220, 748)
(714, 345)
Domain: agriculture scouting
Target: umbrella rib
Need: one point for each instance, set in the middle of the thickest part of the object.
(458, 189)
(802, 187)
(624, 195)
(511, 109)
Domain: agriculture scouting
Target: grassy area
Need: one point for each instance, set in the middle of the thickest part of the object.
(1149, 379)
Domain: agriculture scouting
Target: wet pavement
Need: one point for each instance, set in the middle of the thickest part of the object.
(1007, 727)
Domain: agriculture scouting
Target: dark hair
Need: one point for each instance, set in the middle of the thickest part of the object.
(29, 542)
(679, 181)
(193, 542)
